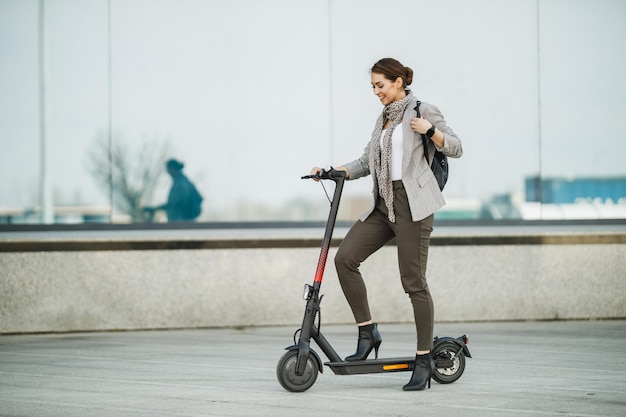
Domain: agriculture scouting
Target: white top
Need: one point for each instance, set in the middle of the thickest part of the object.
(396, 152)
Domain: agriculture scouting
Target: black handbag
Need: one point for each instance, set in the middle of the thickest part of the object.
(439, 165)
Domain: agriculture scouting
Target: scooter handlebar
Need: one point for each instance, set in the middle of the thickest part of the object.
(328, 173)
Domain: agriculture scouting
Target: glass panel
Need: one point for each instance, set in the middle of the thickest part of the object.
(250, 95)
(583, 128)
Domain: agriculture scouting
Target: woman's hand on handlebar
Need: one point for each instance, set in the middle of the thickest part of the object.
(316, 172)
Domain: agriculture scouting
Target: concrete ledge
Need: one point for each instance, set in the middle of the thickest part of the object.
(27, 245)
(206, 282)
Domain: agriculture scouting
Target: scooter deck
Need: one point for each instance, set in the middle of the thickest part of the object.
(372, 366)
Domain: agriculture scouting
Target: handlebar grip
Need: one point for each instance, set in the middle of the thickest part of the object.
(326, 174)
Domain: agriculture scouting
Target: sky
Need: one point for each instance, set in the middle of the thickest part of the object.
(252, 94)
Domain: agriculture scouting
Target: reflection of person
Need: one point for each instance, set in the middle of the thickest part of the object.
(406, 195)
(184, 202)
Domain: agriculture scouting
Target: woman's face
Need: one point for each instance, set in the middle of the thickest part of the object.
(386, 90)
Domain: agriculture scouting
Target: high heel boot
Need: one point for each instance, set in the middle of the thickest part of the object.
(369, 338)
(422, 372)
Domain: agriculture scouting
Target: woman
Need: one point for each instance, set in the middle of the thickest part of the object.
(406, 195)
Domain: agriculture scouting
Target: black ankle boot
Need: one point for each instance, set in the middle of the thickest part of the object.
(369, 338)
(422, 373)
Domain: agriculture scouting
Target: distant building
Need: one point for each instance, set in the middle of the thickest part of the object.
(574, 198)
(62, 214)
(575, 190)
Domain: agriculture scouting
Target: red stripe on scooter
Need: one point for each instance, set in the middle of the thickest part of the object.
(319, 274)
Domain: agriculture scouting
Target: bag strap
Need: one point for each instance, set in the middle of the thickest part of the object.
(424, 142)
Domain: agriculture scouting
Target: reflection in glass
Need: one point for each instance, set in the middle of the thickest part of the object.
(245, 102)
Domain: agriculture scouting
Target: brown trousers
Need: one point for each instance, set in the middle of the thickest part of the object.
(412, 240)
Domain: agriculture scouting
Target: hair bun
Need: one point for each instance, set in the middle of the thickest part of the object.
(409, 75)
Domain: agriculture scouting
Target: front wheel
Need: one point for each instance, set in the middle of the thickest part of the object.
(286, 372)
(449, 362)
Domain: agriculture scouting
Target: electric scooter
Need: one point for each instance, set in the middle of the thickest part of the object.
(297, 369)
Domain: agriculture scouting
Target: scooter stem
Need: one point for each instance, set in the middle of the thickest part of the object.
(312, 306)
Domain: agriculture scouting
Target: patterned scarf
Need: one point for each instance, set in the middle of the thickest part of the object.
(382, 159)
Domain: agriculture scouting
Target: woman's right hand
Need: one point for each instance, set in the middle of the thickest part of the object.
(314, 172)
(317, 170)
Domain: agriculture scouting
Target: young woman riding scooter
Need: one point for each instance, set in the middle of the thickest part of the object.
(406, 196)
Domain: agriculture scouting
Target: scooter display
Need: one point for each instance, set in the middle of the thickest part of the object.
(298, 368)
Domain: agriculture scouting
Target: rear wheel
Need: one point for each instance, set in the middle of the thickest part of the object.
(449, 362)
(286, 372)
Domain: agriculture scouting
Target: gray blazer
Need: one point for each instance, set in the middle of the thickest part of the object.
(419, 182)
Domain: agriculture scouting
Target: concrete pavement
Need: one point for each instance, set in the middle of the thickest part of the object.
(555, 368)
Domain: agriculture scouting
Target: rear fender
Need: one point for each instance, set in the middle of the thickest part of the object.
(457, 341)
